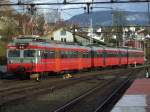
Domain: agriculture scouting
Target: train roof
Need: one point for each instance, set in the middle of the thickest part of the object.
(34, 40)
(47, 43)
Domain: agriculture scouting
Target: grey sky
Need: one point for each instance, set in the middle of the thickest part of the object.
(139, 7)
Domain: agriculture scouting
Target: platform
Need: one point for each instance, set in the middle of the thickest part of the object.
(136, 98)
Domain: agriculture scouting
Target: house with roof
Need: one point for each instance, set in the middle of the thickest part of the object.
(63, 34)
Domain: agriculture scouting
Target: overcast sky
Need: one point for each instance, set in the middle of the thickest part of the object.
(66, 14)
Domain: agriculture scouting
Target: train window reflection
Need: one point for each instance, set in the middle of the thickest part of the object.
(29, 53)
(13, 53)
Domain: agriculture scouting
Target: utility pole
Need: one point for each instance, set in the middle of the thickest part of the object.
(23, 20)
(91, 31)
(32, 9)
(74, 28)
(88, 8)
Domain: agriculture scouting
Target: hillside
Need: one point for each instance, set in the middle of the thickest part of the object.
(108, 18)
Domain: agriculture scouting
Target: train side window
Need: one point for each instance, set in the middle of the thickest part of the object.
(45, 54)
(80, 54)
(76, 54)
(85, 55)
(66, 54)
(109, 54)
(99, 54)
(89, 54)
(51, 54)
(95, 54)
(71, 54)
(116, 54)
(104, 54)
(62, 53)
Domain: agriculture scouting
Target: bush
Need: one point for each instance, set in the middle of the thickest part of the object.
(3, 60)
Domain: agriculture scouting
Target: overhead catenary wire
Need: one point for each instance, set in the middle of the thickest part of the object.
(75, 3)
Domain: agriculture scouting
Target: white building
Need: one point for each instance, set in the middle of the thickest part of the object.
(60, 34)
(63, 35)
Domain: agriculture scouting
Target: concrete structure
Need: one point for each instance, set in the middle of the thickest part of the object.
(136, 99)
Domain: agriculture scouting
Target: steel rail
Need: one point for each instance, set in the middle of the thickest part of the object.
(35, 90)
(109, 99)
(76, 100)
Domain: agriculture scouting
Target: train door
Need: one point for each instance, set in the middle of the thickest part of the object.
(104, 56)
(92, 57)
(57, 60)
(127, 56)
(119, 56)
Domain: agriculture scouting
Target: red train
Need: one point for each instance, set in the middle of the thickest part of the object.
(33, 55)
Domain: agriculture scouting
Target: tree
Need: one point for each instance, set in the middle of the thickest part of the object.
(8, 28)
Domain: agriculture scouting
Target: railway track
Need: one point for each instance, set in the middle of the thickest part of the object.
(13, 94)
(8, 85)
(12, 84)
(70, 105)
(10, 95)
(84, 103)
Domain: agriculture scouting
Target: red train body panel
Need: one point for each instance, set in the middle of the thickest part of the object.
(36, 57)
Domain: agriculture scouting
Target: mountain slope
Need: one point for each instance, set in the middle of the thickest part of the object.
(108, 18)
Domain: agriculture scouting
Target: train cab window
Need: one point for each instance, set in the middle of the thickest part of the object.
(29, 53)
(13, 53)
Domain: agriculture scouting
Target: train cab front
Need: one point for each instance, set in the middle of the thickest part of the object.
(21, 61)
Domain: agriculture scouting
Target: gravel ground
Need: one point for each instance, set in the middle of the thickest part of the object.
(50, 101)
(53, 99)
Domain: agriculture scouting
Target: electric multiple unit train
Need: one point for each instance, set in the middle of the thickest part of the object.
(34, 55)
